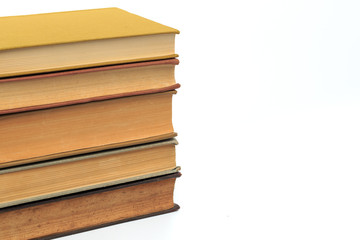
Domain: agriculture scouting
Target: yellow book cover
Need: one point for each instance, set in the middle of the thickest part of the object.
(76, 39)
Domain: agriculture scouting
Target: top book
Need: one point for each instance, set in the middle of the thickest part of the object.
(50, 42)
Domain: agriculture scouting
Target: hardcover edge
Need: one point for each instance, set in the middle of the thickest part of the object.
(89, 155)
(93, 191)
(89, 65)
(89, 188)
(172, 61)
(87, 100)
(173, 209)
(88, 150)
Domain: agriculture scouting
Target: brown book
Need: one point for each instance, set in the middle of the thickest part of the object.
(63, 176)
(79, 212)
(82, 128)
(41, 91)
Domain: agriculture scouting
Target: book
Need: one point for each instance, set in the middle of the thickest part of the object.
(73, 174)
(68, 87)
(88, 210)
(40, 135)
(86, 135)
(79, 39)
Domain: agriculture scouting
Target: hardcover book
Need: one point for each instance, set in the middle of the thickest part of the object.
(76, 86)
(89, 171)
(40, 135)
(78, 39)
(86, 134)
(88, 210)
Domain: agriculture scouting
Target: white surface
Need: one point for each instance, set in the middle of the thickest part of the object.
(268, 118)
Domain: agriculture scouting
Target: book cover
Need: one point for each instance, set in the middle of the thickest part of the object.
(74, 26)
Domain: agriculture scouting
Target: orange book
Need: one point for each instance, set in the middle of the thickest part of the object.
(40, 135)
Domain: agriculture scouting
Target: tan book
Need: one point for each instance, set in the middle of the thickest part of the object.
(77, 39)
(88, 210)
(42, 91)
(82, 128)
(63, 176)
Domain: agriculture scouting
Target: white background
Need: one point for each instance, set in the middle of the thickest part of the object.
(268, 118)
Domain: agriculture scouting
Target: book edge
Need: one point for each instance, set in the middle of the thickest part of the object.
(175, 174)
(87, 150)
(90, 155)
(90, 65)
(89, 188)
(172, 61)
(88, 100)
(175, 208)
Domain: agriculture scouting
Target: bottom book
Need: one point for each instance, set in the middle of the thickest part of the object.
(60, 216)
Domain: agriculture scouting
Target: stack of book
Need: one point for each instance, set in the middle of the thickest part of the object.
(86, 135)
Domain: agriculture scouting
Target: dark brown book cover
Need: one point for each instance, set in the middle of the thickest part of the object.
(89, 210)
